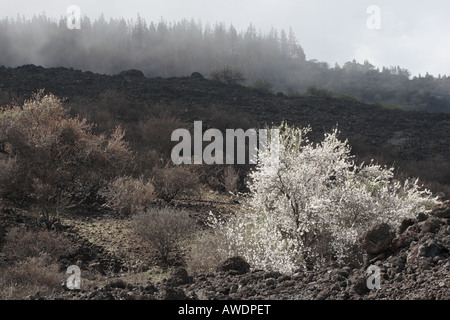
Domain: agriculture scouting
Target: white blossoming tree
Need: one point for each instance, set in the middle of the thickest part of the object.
(310, 205)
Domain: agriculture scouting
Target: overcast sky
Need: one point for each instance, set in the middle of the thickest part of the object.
(414, 34)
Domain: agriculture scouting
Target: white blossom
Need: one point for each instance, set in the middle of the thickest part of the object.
(311, 205)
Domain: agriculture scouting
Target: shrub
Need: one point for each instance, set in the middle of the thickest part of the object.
(9, 172)
(230, 179)
(30, 276)
(228, 75)
(263, 86)
(171, 182)
(129, 195)
(205, 253)
(164, 230)
(213, 183)
(21, 244)
(114, 102)
(32, 262)
(309, 202)
(316, 92)
(43, 146)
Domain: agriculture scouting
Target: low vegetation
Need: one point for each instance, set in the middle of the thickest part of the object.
(164, 229)
(301, 211)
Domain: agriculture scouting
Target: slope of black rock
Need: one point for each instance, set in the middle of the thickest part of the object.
(415, 135)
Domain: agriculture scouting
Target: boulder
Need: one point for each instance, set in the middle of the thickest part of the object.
(179, 277)
(132, 73)
(442, 212)
(377, 239)
(235, 264)
(197, 75)
(429, 249)
(431, 225)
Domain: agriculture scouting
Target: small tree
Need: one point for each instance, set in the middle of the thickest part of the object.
(228, 75)
(50, 155)
(310, 205)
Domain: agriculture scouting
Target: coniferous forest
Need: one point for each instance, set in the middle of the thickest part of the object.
(273, 61)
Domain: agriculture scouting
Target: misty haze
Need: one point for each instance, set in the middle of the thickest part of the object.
(125, 130)
(274, 61)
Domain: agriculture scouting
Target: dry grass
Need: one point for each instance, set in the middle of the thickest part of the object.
(32, 266)
(30, 276)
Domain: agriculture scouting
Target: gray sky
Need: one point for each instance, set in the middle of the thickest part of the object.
(414, 34)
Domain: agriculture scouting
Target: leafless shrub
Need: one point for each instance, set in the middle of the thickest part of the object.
(228, 75)
(230, 179)
(32, 266)
(205, 252)
(115, 102)
(146, 160)
(59, 151)
(48, 204)
(21, 244)
(164, 230)
(171, 182)
(9, 172)
(129, 195)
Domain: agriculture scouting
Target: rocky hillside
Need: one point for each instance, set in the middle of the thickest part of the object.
(413, 261)
(415, 135)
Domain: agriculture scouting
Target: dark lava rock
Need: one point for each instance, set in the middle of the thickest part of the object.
(430, 225)
(197, 75)
(133, 73)
(170, 293)
(179, 277)
(360, 286)
(442, 211)
(236, 264)
(118, 284)
(404, 225)
(430, 249)
(377, 239)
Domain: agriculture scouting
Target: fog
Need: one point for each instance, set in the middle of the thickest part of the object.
(413, 33)
(395, 53)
